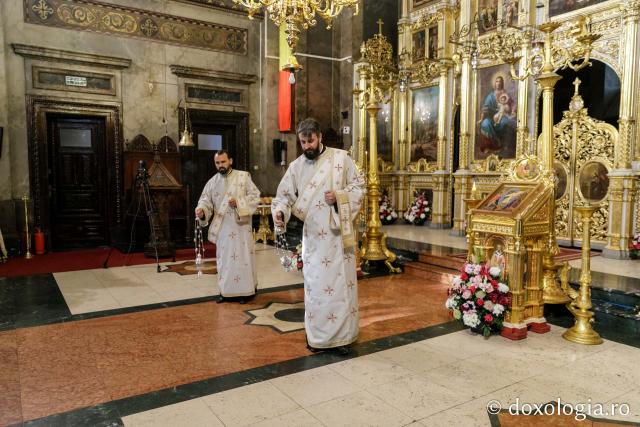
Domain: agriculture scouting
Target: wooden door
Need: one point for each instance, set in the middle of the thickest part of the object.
(77, 182)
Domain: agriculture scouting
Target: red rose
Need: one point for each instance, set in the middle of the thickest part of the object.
(472, 288)
(464, 277)
(493, 297)
(488, 318)
(480, 302)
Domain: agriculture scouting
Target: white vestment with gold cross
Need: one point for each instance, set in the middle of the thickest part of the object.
(230, 230)
(328, 242)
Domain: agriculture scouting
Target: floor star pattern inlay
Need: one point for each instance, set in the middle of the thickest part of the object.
(187, 268)
(274, 313)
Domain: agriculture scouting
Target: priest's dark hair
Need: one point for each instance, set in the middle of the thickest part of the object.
(308, 126)
(221, 152)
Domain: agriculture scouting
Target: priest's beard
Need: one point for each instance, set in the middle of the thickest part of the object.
(223, 170)
(311, 154)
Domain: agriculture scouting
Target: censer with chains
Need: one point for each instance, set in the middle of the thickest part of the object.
(199, 248)
(287, 258)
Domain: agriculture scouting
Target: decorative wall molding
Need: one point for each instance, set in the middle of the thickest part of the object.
(225, 5)
(205, 94)
(73, 81)
(90, 15)
(212, 75)
(58, 55)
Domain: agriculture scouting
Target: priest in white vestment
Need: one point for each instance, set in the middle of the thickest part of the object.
(227, 204)
(324, 189)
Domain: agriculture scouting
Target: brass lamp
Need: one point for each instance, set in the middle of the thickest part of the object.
(186, 140)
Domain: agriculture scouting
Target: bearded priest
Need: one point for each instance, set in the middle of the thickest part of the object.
(231, 198)
(324, 189)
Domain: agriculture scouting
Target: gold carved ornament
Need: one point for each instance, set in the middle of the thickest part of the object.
(547, 53)
(421, 165)
(295, 15)
(579, 140)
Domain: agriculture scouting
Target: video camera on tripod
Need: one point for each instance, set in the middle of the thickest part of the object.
(142, 175)
(143, 199)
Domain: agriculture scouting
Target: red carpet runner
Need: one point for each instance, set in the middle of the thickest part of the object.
(87, 259)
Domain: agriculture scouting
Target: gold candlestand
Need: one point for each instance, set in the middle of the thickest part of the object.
(25, 199)
(471, 203)
(380, 78)
(580, 306)
(264, 230)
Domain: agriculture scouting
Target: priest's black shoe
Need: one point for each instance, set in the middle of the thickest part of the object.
(220, 299)
(313, 349)
(343, 350)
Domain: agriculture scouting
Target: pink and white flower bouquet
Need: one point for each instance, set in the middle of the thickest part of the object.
(419, 212)
(478, 298)
(388, 215)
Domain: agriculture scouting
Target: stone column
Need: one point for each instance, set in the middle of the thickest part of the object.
(622, 182)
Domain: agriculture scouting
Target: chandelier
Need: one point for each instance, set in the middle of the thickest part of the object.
(297, 14)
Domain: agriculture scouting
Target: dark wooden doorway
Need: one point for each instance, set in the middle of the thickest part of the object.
(77, 181)
(213, 130)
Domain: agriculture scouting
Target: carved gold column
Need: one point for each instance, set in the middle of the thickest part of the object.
(440, 217)
(513, 326)
(534, 289)
(462, 176)
(622, 183)
(523, 103)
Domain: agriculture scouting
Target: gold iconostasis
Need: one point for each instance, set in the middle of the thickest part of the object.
(469, 106)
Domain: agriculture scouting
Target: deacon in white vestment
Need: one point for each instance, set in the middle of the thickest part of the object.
(324, 189)
(231, 198)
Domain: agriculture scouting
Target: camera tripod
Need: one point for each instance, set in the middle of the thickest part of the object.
(141, 187)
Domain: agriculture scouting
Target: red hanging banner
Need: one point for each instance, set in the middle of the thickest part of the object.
(285, 91)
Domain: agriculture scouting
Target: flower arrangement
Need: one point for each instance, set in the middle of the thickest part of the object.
(388, 215)
(478, 298)
(635, 246)
(419, 212)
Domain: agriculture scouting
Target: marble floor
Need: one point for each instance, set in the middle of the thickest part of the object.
(447, 380)
(627, 268)
(107, 289)
(132, 347)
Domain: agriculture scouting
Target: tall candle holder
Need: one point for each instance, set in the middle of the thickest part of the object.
(28, 254)
(582, 332)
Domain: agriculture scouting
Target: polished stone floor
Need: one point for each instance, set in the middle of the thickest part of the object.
(130, 346)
